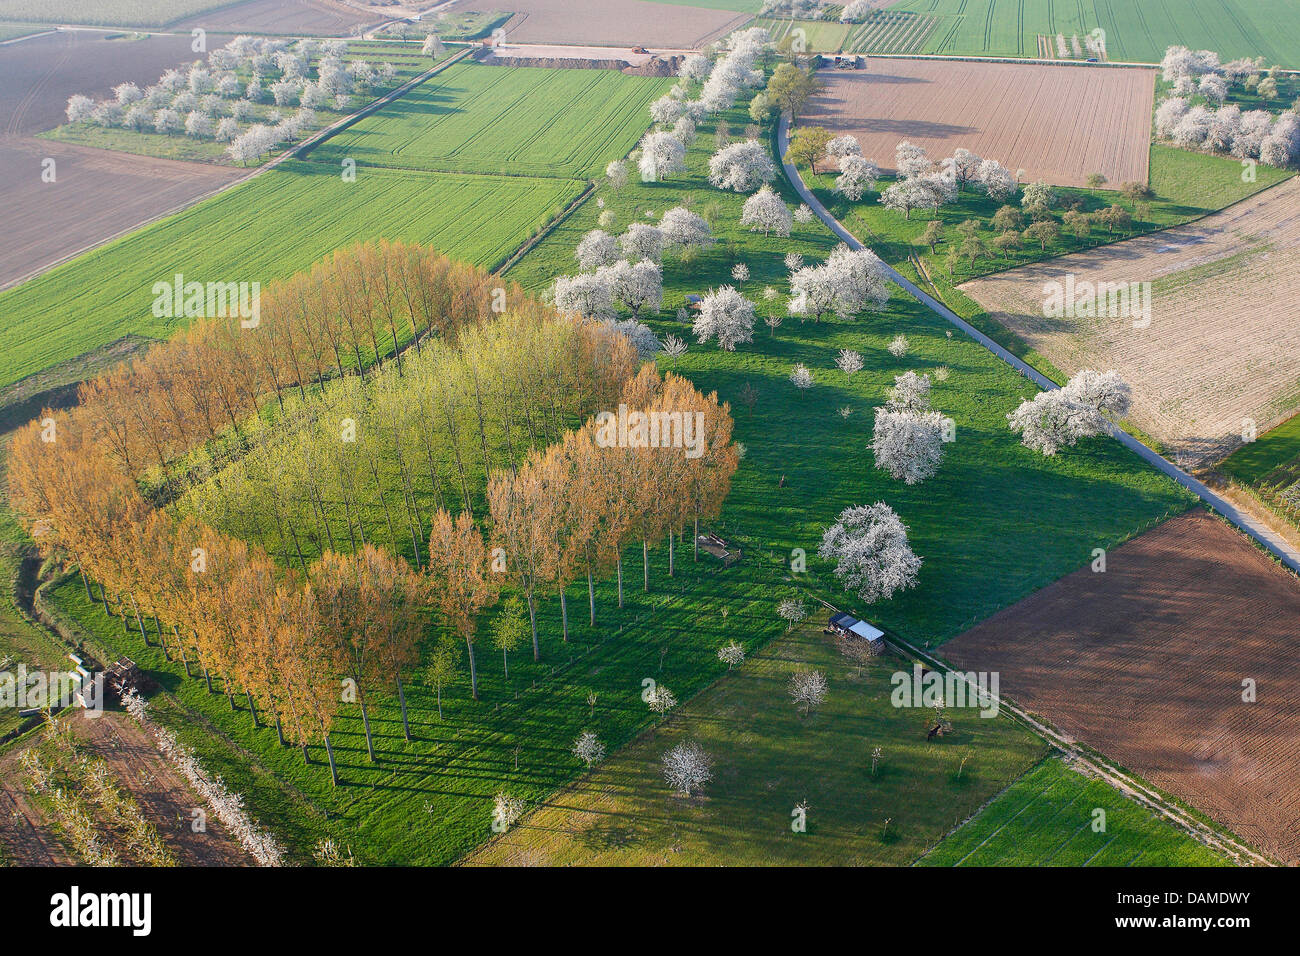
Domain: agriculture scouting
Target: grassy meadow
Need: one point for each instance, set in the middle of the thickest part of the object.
(768, 758)
(1046, 818)
(515, 121)
(266, 229)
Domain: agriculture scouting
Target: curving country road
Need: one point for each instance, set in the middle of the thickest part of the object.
(1272, 542)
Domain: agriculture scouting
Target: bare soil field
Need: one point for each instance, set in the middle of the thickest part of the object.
(96, 194)
(1056, 123)
(1224, 338)
(164, 797)
(1146, 662)
(612, 22)
(294, 17)
(37, 76)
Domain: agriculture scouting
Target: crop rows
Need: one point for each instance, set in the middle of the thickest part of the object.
(889, 32)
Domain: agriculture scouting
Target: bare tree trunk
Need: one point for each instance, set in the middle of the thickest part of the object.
(645, 563)
(365, 722)
(252, 708)
(401, 699)
(591, 596)
(329, 752)
(620, 582)
(532, 620)
(473, 677)
(564, 615)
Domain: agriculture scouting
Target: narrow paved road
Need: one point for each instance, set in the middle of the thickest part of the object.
(1274, 543)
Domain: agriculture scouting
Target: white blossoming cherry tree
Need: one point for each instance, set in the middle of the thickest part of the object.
(872, 556)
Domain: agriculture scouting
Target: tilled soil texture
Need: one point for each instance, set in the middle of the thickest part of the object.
(163, 795)
(294, 17)
(1222, 349)
(1145, 662)
(613, 22)
(96, 194)
(1056, 123)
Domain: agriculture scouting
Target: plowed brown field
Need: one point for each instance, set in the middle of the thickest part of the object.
(1146, 662)
(1057, 123)
(1223, 345)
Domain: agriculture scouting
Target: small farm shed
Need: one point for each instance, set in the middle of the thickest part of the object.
(719, 549)
(695, 302)
(846, 625)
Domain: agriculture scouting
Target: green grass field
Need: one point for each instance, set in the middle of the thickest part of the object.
(819, 36)
(269, 228)
(1046, 818)
(767, 759)
(287, 218)
(514, 121)
(1136, 30)
(144, 13)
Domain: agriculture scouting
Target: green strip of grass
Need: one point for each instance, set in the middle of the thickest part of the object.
(1251, 462)
(1054, 816)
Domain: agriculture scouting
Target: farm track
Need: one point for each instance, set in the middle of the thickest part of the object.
(1263, 536)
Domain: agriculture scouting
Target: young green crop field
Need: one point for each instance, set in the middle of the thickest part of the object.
(1047, 818)
(818, 36)
(1136, 30)
(517, 121)
(768, 758)
(269, 228)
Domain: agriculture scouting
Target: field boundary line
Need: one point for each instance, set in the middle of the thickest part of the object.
(294, 152)
(1264, 536)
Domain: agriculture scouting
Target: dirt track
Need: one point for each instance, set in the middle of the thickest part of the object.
(1145, 663)
(1057, 123)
